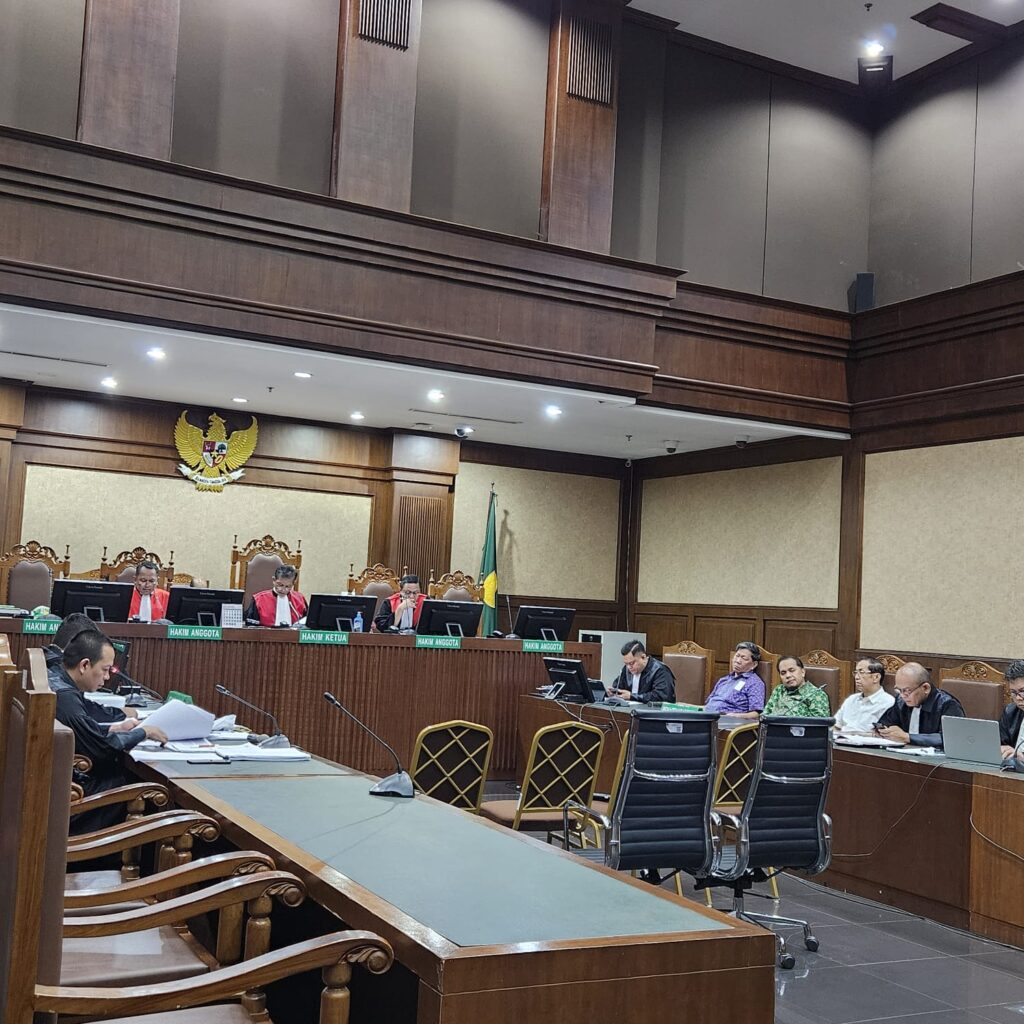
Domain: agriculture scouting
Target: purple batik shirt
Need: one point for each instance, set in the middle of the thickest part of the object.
(736, 695)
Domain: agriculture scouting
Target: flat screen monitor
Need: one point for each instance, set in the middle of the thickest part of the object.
(575, 685)
(193, 606)
(102, 602)
(536, 623)
(449, 618)
(339, 611)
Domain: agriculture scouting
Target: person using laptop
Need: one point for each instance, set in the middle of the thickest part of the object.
(643, 678)
(859, 712)
(916, 717)
(1011, 736)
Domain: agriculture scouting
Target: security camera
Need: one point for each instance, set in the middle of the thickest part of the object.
(629, 463)
(742, 441)
(671, 447)
(463, 431)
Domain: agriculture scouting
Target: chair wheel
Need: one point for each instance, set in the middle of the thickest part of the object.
(787, 961)
(811, 943)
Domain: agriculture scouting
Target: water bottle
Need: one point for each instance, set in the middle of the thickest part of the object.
(357, 623)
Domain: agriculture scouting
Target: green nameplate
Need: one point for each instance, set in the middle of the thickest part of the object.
(322, 636)
(39, 625)
(193, 632)
(449, 643)
(544, 646)
(178, 695)
(682, 707)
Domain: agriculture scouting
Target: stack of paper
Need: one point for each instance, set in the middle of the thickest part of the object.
(182, 721)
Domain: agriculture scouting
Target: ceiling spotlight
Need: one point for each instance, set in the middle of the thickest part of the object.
(435, 395)
(240, 401)
(109, 382)
(356, 416)
(156, 353)
(302, 375)
(552, 412)
(873, 48)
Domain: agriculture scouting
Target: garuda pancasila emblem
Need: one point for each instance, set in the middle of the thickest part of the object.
(212, 459)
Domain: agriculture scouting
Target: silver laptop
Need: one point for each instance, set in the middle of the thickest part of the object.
(971, 739)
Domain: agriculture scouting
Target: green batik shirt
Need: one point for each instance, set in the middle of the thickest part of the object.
(807, 702)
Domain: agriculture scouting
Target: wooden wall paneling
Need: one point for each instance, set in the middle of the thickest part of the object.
(12, 416)
(421, 534)
(662, 630)
(589, 614)
(579, 131)
(794, 637)
(375, 102)
(851, 548)
(722, 632)
(129, 62)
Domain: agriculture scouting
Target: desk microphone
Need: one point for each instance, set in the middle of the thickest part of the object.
(136, 690)
(398, 784)
(277, 739)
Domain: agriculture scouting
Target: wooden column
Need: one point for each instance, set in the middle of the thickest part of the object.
(12, 416)
(851, 551)
(375, 102)
(129, 61)
(579, 131)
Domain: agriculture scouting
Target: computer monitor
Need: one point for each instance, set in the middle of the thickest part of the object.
(449, 618)
(536, 623)
(338, 611)
(102, 602)
(576, 686)
(193, 606)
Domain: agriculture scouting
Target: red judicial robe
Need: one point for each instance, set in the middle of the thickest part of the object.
(387, 618)
(266, 606)
(157, 604)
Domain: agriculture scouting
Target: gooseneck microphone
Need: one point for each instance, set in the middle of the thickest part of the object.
(136, 691)
(277, 739)
(397, 784)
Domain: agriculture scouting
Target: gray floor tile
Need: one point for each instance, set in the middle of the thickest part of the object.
(848, 908)
(1009, 960)
(936, 936)
(857, 945)
(1009, 1013)
(939, 1017)
(959, 982)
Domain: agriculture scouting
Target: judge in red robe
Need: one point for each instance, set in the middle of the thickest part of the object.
(402, 610)
(282, 605)
(149, 602)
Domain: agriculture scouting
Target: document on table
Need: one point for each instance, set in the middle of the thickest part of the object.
(182, 721)
(212, 753)
(855, 740)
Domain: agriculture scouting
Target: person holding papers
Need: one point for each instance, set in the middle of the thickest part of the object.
(83, 668)
(149, 602)
(916, 717)
(859, 712)
(1011, 736)
(282, 605)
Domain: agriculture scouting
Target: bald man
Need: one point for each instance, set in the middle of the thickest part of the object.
(917, 715)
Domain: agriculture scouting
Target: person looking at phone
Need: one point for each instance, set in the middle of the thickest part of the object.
(643, 678)
(916, 717)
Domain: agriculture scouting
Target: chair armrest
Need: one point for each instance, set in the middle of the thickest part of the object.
(286, 887)
(339, 948)
(192, 824)
(584, 812)
(127, 826)
(82, 763)
(209, 869)
(728, 820)
(153, 792)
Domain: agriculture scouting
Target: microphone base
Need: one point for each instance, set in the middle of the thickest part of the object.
(274, 742)
(399, 784)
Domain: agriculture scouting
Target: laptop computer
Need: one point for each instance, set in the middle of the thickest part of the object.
(972, 739)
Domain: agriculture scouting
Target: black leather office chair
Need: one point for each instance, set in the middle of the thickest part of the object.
(661, 813)
(782, 823)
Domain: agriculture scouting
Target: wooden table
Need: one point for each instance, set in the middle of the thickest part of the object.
(487, 924)
(903, 835)
(393, 686)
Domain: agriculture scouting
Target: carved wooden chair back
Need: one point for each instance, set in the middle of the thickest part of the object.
(693, 666)
(892, 664)
(455, 586)
(830, 674)
(376, 580)
(27, 573)
(450, 761)
(121, 569)
(767, 668)
(979, 687)
(253, 566)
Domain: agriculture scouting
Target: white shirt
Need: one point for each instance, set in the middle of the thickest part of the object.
(406, 620)
(145, 608)
(915, 722)
(859, 713)
(283, 617)
(636, 682)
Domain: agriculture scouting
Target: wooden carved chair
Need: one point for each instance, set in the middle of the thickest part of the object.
(455, 586)
(767, 669)
(892, 664)
(979, 687)
(693, 666)
(27, 573)
(562, 766)
(450, 761)
(830, 674)
(252, 567)
(375, 581)
(122, 568)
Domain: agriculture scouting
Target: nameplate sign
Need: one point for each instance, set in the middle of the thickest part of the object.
(193, 632)
(544, 646)
(322, 636)
(39, 625)
(449, 643)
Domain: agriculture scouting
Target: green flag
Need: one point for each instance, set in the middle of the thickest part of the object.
(489, 570)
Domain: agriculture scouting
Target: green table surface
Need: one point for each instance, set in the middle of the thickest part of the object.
(473, 884)
(237, 769)
(933, 760)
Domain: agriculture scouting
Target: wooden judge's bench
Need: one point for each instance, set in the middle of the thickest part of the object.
(392, 684)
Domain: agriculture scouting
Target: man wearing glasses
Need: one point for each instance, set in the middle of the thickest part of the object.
(401, 611)
(859, 712)
(917, 715)
(1011, 736)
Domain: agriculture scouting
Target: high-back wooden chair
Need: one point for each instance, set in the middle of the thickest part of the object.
(253, 566)
(121, 569)
(450, 761)
(767, 669)
(27, 573)
(693, 666)
(455, 586)
(979, 687)
(830, 674)
(562, 766)
(893, 663)
(375, 581)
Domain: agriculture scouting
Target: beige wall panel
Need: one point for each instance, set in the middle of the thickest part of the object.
(89, 509)
(557, 532)
(764, 536)
(943, 557)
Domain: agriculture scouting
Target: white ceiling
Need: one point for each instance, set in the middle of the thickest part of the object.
(827, 35)
(63, 350)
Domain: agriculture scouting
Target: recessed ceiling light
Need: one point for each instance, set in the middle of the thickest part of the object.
(435, 395)
(873, 48)
(240, 401)
(552, 412)
(302, 375)
(109, 382)
(156, 354)
(356, 416)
